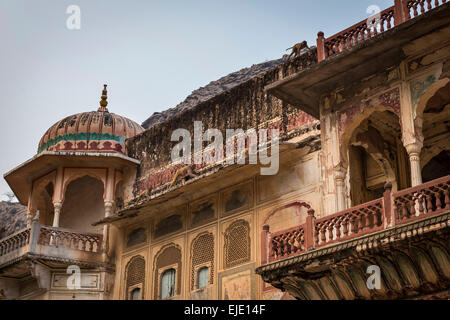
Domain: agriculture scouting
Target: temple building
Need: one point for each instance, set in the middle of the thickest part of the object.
(363, 182)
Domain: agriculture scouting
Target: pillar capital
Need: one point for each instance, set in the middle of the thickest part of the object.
(109, 207)
(414, 148)
(339, 172)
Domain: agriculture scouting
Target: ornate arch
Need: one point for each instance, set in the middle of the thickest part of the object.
(347, 132)
(297, 204)
(159, 269)
(76, 174)
(206, 258)
(426, 96)
(38, 185)
(136, 279)
(237, 244)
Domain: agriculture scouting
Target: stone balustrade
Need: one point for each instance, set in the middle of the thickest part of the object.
(51, 242)
(14, 242)
(287, 243)
(427, 199)
(351, 223)
(64, 238)
(402, 11)
(420, 202)
(414, 8)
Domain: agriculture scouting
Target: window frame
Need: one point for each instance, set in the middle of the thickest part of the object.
(136, 286)
(161, 271)
(197, 268)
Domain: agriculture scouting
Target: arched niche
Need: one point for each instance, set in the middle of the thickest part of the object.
(433, 126)
(42, 198)
(373, 154)
(72, 174)
(83, 204)
(287, 216)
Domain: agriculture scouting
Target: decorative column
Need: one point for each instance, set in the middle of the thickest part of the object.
(309, 230)
(414, 150)
(29, 218)
(109, 208)
(57, 211)
(339, 177)
(265, 244)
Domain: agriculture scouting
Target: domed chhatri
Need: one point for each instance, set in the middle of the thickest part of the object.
(95, 131)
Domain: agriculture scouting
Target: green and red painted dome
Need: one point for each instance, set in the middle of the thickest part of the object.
(95, 131)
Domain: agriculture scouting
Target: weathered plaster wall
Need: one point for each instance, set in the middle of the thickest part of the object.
(253, 200)
(245, 106)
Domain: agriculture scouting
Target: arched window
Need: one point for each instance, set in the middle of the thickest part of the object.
(135, 294)
(135, 278)
(237, 244)
(168, 283)
(168, 265)
(202, 277)
(202, 253)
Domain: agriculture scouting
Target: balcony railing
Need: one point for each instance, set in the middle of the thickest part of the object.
(428, 199)
(51, 242)
(15, 242)
(64, 238)
(402, 11)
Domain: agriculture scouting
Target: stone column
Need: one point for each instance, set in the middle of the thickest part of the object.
(57, 211)
(339, 177)
(414, 150)
(29, 218)
(109, 208)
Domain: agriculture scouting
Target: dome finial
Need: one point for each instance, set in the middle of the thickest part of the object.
(103, 102)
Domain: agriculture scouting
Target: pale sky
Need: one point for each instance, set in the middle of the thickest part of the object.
(152, 54)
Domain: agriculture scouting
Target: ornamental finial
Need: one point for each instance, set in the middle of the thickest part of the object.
(103, 102)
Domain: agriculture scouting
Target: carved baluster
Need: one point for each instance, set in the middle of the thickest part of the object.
(275, 249)
(289, 241)
(354, 224)
(412, 206)
(421, 209)
(323, 238)
(376, 217)
(338, 230)
(429, 203)
(287, 244)
(404, 211)
(83, 244)
(316, 236)
(447, 198)
(437, 194)
(280, 246)
(415, 10)
(330, 231)
(345, 229)
(422, 6)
